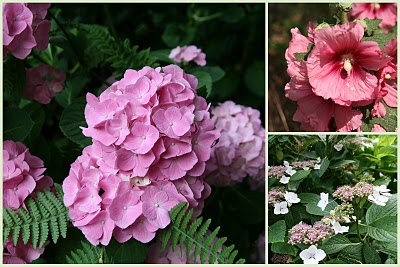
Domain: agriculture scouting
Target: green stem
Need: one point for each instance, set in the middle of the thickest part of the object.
(357, 218)
(343, 17)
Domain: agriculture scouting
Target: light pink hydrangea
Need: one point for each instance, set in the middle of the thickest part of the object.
(151, 138)
(339, 60)
(385, 11)
(22, 175)
(187, 54)
(25, 28)
(240, 150)
(43, 82)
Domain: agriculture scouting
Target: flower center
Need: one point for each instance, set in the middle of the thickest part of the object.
(347, 65)
(377, 6)
(387, 76)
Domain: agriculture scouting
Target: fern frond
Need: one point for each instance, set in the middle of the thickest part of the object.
(43, 216)
(89, 254)
(193, 235)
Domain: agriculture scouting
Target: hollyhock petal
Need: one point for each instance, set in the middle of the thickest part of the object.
(391, 97)
(371, 57)
(347, 119)
(378, 128)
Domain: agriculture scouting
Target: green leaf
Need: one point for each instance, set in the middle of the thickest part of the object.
(312, 208)
(73, 87)
(277, 232)
(390, 261)
(215, 72)
(389, 122)
(130, 252)
(371, 256)
(37, 115)
(385, 151)
(14, 79)
(336, 244)
(178, 35)
(303, 56)
(372, 25)
(17, 124)
(299, 175)
(384, 229)
(309, 198)
(389, 248)
(204, 80)
(386, 140)
(72, 118)
(376, 212)
(341, 163)
(284, 248)
(324, 166)
(254, 78)
(162, 55)
(232, 14)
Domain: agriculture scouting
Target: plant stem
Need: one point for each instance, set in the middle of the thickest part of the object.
(343, 17)
(357, 217)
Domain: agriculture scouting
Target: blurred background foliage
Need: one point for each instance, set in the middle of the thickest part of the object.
(231, 35)
(282, 18)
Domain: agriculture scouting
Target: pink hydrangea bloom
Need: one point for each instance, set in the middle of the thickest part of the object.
(240, 150)
(385, 11)
(187, 54)
(43, 82)
(24, 28)
(22, 175)
(144, 158)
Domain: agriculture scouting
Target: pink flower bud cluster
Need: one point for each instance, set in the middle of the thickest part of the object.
(276, 194)
(155, 254)
(341, 213)
(337, 77)
(276, 171)
(25, 28)
(43, 82)
(306, 234)
(240, 151)
(304, 164)
(22, 175)
(187, 54)
(347, 193)
(151, 138)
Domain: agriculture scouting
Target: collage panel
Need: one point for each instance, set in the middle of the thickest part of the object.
(332, 199)
(332, 67)
(134, 133)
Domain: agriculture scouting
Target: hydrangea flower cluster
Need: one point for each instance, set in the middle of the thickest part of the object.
(385, 11)
(276, 194)
(151, 138)
(240, 151)
(22, 175)
(281, 199)
(341, 213)
(347, 193)
(25, 28)
(283, 173)
(303, 233)
(340, 74)
(43, 82)
(187, 54)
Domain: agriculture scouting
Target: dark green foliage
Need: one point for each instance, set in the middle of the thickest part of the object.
(89, 254)
(194, 236)
(105, 48)
(45, 216)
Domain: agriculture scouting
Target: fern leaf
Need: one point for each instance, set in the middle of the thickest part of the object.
(194, 235)
(88, 254)
(45, 214)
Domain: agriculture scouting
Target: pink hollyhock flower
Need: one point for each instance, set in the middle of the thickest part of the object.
(378, 128)
(240, 145)
(336, 65)
(187, 54)
(385, 11)
(24, 28)
(43, 82)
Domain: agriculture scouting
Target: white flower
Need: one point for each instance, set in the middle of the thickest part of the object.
(324, 201)
(290, 171)
(338, 228)
(312, 255)
(284, 179)
(380, 195)
(291, 198)
(338, 146)
(376, 140)
(317, 167)
(281, 208)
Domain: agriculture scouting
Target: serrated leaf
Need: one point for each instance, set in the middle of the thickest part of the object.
(299, 175)
(324, 166)
(72, 119)
(284, 248)
(17, 124)
(372, 25)
(371, 256)
(336, 244)
(277, 232)
(384, 229)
